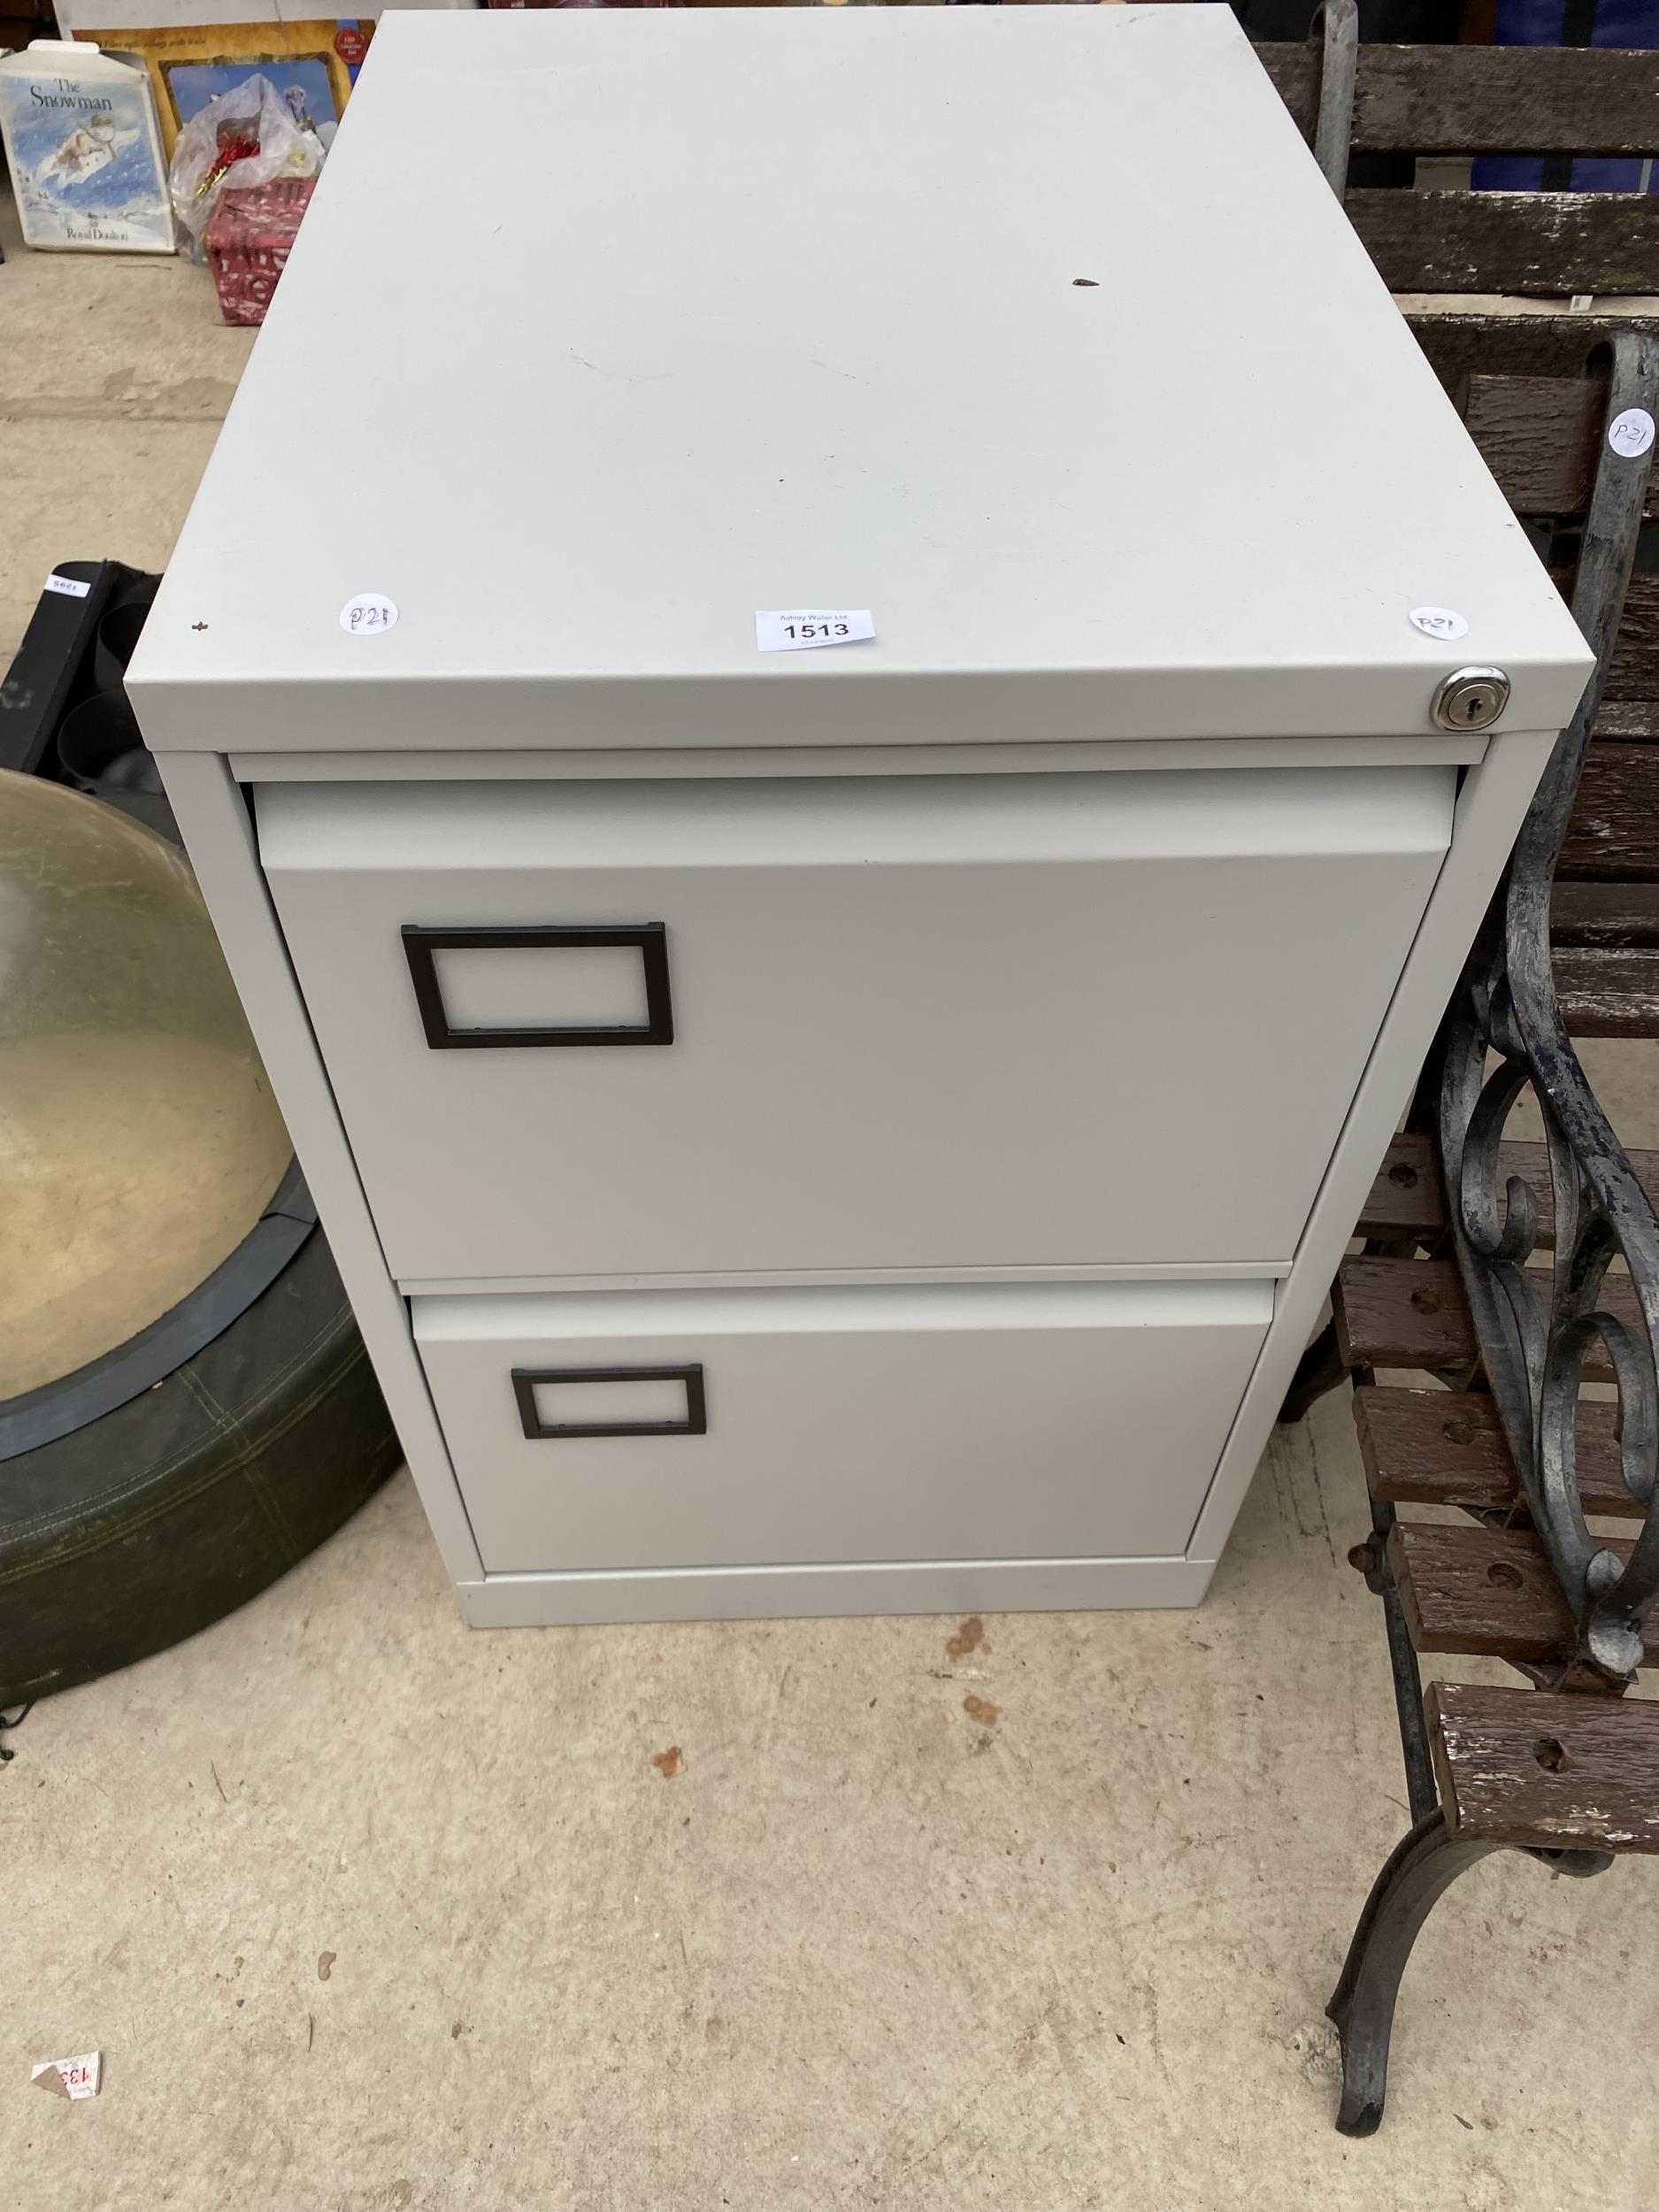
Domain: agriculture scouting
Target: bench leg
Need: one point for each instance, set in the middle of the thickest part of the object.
(1426, 1861)
(1321, 1368)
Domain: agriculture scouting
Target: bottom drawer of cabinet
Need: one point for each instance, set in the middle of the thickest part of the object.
(756, 1428)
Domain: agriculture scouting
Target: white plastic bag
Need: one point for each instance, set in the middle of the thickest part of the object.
(246, 136)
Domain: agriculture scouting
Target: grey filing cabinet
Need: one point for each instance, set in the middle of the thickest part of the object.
(862, 1125)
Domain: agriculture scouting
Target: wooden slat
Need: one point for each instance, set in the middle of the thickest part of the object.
(1538, 242)
(1485, 1592)
(1480, 100)
(1294, 66)
(1635, 721)
(1462, 342)
(1615, 825)
(1412, 1313)
(1401, 1313)
(1635, 670)
(1506, 99)
(1541, 437)
(1546, 1769)
(1408, 1199)
(1605, 992)
(1604, 914)
(1632, 681)
(1448, 1448)
(1537, 435)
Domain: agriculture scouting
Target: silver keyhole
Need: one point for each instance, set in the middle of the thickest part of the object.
(1470, 699)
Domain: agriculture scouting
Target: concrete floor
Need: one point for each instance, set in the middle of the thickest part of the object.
(863, 1950)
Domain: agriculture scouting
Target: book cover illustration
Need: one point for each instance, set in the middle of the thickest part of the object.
(313, 64)
(83, 150)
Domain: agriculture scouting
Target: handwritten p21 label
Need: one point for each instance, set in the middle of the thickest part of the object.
(368, 614)
(1440, 622)
(799, 629)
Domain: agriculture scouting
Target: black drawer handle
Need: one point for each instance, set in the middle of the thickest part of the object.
(648, 939)
(525, 1378)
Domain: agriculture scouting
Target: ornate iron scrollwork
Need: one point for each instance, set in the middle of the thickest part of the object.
(1535, 1330)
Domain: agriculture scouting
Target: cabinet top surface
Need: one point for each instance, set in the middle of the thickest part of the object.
(1033, 331)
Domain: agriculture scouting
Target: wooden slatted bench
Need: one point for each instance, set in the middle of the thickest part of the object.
(1570, 1773)
(1464, 1332)
(1501, 328)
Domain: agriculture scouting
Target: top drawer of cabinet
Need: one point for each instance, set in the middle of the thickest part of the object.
(713, 1027)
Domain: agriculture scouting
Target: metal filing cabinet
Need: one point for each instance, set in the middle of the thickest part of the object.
(865, 1125)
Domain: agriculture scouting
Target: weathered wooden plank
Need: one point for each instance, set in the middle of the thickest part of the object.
(1294, 66)
(1401, 1313)
(1448, 1448)
(1541, 437)
(1412, 1313)
(1614, 830)
(1634, 721)
(1635, 673)
(1461, 340)
(1606, 942)
(1607, 991)
(1485, 1592)
(1533, 243)
(1604, 914)
(1484, 99)
(1632, 680)
(1547, 1769)
(1408, 1199)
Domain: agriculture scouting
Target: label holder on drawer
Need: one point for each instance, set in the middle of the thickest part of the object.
(648, 939)
(525, 1380)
